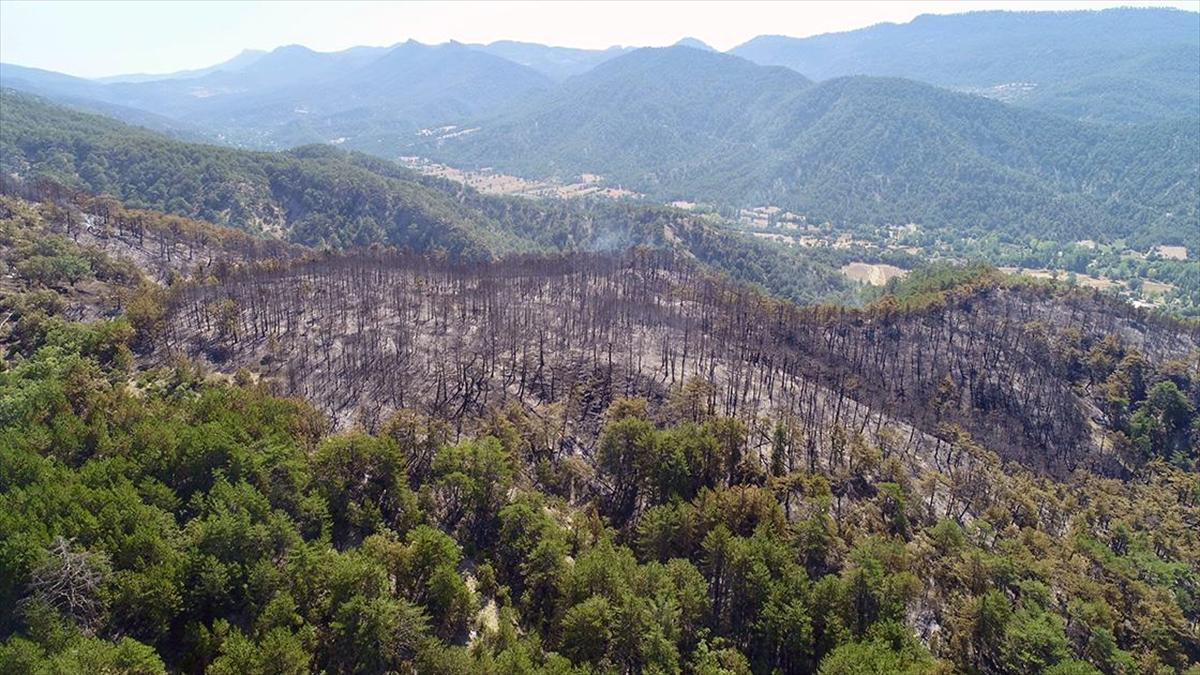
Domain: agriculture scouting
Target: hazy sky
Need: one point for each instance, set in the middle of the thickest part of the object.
(93, 39)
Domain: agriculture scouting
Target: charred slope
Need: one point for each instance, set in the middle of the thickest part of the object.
(138, 507)
(88, 259)
(1016, 367)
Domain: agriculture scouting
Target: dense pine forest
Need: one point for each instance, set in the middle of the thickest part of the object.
(581, 463)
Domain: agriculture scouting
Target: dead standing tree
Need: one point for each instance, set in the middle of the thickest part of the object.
(385, 331)
(70, 582)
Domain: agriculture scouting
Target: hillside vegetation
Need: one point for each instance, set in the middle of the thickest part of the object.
(320, 196)
(1075, 126)
(168, 518)
(681, 123)
(272, 402)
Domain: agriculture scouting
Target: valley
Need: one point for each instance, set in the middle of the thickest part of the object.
(874, 351)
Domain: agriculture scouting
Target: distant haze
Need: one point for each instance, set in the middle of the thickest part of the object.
(97, 39)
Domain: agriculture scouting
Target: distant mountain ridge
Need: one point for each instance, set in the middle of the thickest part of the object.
(294, 95)
(694, 43)
(557, 63)
(244, 58)
(1116, 65)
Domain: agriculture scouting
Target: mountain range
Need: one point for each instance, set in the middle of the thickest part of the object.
(1122, 65)
(1119, 65)
(684, 124)
(293, 95)
(1096, 133)
(243, 59)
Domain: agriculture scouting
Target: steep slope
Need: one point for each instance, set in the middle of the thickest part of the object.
(48, 82)
(582, 330)
(679, 123)
(291, 65)
(311, 199)
(873, 150)
(1120, 65)
(411, 86)
(642, 117)
(92, 96)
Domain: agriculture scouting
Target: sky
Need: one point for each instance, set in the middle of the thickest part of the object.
(95, 39)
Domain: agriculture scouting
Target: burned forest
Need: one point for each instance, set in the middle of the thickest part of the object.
(849, 354)
(366, 335)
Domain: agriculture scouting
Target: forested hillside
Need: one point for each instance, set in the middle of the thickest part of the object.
(320, 196)
(259, 192)
(156, 515)
(1117, 65)
(681, 123)
(724, 369)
